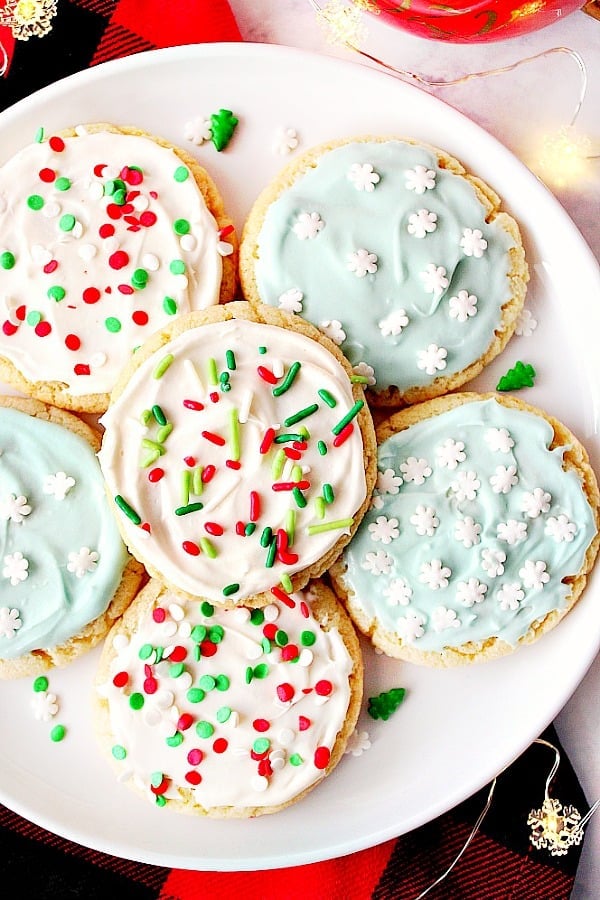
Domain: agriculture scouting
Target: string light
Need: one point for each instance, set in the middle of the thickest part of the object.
(4, 63)
(562, 159)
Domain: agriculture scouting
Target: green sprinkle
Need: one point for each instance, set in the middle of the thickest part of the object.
(266, 645)
(286, 583)
(153, 445)
(301, 414)
(296, 759)
(278, 464)
(127, 509)
(328, 494)
(359, 379)
(149, 459)
(40, 684)
(62, 183)
(223, 714)
(230, 589)
(351, 414)
(207, 683)
(230, 359)
(160, 800)
(197, 483)
(67, 222)
(34, 318)
(266, 536)
(56, 292)
(119, 197)
(204, 729)
(383, 705)
(119, 752)
(319, 507)
(271, 554)
(159, 654)
(185, 485)
(307, 638)
(327, 397)
(39, 136)
(163, 366)
(176, 670)
(261, 745)
(146, 651)
(198, 633)
(195, 695)
(211, 365)
(207, 609)
(234, 425)
(287, 437)
(304, 432)
(7, 259)
(281, 638)
(175, 740)
(250, 528)
(189, 508)
(222, 683)
(299, 497)
(249, 674)
(329, 526)
(112, 324)
(208, 547)
(181, 173)
(58, 733)
(170, 306)
(287, 381)
(139, 278)
(136, 701)
(262, 350)
(146, 416)
(296, 473)
(261, 670)
(290, 525)
(35, 202)
(181, 226)
(520, 376)
(224, 378)
(156, 779)
(163, 433)
(177, 267)
(257, 617)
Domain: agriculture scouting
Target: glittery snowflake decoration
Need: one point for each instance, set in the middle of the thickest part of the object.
(465, 486)
(362, 263)
(198, 130)
(379, 563)
(534, 574)
(308, 226)
(467, 531)
(363, 177)
(82, 561)
(398, 592)
(463, 306)
(425, 520)
(434, 279)
(498, 440)
(286, 140)
(9, 622)
(384, 529)
(420, 179)
(473, 242)
(393, 323)
(443, 618)
(28, 18)
(14, 509)
(510, 595)
(512, 532)
(433, 359)
(470, 592)
(388, 482)
(554, 827)
(58, 485)
(492, 562)
(291, 300)
(536, 502)
(364, 370)
(560, 528)
(410, 627)
(415, 470)
(334, 331)
(44, 705)
(421, 223)
(526, 323)
(358, 743)
(504, 479)
(16, 567)
(450, 453)
(435, 574)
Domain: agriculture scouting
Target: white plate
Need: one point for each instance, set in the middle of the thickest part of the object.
(457, 728)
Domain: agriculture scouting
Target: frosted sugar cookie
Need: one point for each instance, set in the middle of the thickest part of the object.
(106, 234)
(482, 532)
(228, 712)
(238, 454)
(66, 575)
(395, 251)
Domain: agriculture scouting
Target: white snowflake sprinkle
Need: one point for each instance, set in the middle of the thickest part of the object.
(510, 595)
(9, 622)
(425, 520)
(536, 502)
(286, 140)
(443, 618)
(378, 563)
(421, 223)
(463, 306)
(393, 323)
(504, 479)
(364, 370)
(435, 574)
(198, 130)
(376, 502)
(419, 179)
(526, 323)
(434, 279)
(388, 482)
(15, 567)
(467, 531)
(308, 226)
(450, 453)
(291, 300)
(415, 470)
(334, 331)
(473, 242)
(492, 562)
(465, 486)
(410, 626)
(44, 705)
(362, 262)
(358, 743)
(82, 561)
(433, 359)
(384, 529)
(534, 574)
(14, 509)
(58, 485)
(470, 592)
(398, 592)
(363, 177)
(560, 528)
(498, 440)
(511, 531)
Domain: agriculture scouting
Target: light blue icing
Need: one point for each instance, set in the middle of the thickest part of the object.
(377, 221)
(53, 603)
(536, 467)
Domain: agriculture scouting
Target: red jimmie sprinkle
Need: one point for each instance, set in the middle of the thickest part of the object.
(291, 453)
(267, 440)
(224, 232)
(184, 722)
(120, 679)
(304, 609)
(285, 691)
(214, 438)
(261, 725)
(191, 548)
(284, 555)
(81, 369)
(190, 461)
(267, 375)
(57, 144)
(193, 404)
(208, 473)
(220, 745)
(303, 723)
(156, 474)
(343, 435)
(72, 342)
(233, 464)
(322, 757)
(145, 526)
(147, 670)
(240, 529)
(290, 485)
(214, 397)
(193, 777)
(214, 528)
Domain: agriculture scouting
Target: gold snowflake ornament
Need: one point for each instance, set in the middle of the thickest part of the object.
(554, 828)
(28, 18)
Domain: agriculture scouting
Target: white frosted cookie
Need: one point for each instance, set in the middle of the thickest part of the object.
(482, 532)
(66, 575)
(106, 234)
(398, 253)
(228, 712)
(238, 454)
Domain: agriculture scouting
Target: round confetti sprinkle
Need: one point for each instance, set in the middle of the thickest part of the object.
(56, 292)
(62, 184)
(58, 733)
(112, 324)
(35, 202)
(72, 342)
(204, 729)
(40, 684)
(67, 222)
(181, 174)
(177, 267)
(181, 226)
(119, 752)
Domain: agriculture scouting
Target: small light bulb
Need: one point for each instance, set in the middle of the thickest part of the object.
(564, 158)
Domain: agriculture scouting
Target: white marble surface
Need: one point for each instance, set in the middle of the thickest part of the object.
(517, 108)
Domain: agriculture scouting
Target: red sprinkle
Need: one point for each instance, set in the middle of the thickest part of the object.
(207, 648)
(291, 453)
(113, 211)
(191, 548)
(233, 464)
(99, 169)
(178, 653)
(42, 329)
(193, 777)
(125, 289)
(106, 231)
(190, 461)
(289, 652)
(214, 438)
(118, 259)
(193, 404)
(240, 529)
(57, 144)
(150, 685)
(267, 440)
(265, 768)
(91, 295)
(140, 317)
(261, 725)
(50, 267)
(303, 723)
(343, 435)
(270, 630)
(284, 555)
(258, 756)
(323, 688)
(299, 445)
(8, 328)
(47, 175)
(147, 218)
(220, 745)
(145, 526)
(72, 342)
(290, 485)
(162, 787)
(267, 375)
(195, 756)
(159, 614)
(81, 369)
(214, 528)
(229, 229)
(208, 473)
(120, 679)
(322, 757)
(304, 609)
(21, 312)
(156, 474)
(214, 396)
(285, 691)
(184, 721)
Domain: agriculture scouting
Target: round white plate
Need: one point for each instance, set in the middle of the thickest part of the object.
(456, 729)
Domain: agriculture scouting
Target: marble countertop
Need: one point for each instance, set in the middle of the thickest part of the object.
(517, 107)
